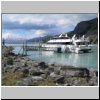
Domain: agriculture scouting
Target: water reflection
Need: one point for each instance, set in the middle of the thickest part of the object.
(80, 60)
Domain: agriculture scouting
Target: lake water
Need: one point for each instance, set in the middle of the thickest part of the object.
(89, 60)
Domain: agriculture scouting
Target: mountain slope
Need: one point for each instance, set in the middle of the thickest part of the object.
(87, 28)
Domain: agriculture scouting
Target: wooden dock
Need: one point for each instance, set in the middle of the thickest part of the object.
(37, 48)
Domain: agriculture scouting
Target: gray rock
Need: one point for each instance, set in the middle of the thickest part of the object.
(29, 81)
(93, 73)
(57, 69)
(75, 72)
(3, 77)
(51, 69)
(17, 60)
(4, 63)
(47, 73)
(52, 64)
(66, 67)
(7, 69)
(25, 72)
(56, 84)
(31, 70)
(42, 65)
(63, 72)
(25, 82)
(35, 64)
(93, 81)
(37, 73)
(34, 71)
(96, 73)
(19, 64)
(37, 78)
(76, 82)
(24, 64)
(3, 70)
(16, 69)
(52, 75)
(44, 76)
(67, 84)
(57, 78)
(25, 58)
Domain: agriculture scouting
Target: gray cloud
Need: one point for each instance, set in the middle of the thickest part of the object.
(42, 21)
(25, 26)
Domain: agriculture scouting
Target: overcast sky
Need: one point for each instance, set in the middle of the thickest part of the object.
(27, 26)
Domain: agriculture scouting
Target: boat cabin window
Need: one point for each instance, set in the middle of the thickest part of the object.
(61, 38)
(82, 43)
(63, 43)
(88, 43)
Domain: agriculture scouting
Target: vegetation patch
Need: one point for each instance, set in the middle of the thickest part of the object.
(10, 79)
(77, 81)
(45, 83)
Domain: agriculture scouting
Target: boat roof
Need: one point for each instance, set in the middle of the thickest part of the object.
(61, 40)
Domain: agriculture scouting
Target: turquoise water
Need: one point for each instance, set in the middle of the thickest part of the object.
(89, 60)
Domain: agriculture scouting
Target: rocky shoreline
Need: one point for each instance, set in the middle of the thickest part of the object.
(18, 70)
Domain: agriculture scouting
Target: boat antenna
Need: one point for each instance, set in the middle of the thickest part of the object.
(87, 38)
(60, 35)
(73, 38)
(66, 35)
(83, 37)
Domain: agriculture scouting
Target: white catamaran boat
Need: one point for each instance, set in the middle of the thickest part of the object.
(65, 44)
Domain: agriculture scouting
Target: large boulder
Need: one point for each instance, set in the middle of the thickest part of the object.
(75, 72)
(37, 73)
(59, 79)
(37, 78)
(96, 73)
(25, 72)
(35, 64)
(56, 78)
(51, 69)
(93, 81)
(57, 70)
(42, 65)
(93, 73)
(25, 82)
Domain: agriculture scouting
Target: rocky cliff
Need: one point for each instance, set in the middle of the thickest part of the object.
(87, 28)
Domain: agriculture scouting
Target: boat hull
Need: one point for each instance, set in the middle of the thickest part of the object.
(67, 48)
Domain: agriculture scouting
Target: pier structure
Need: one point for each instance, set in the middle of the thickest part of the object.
(3, 42)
